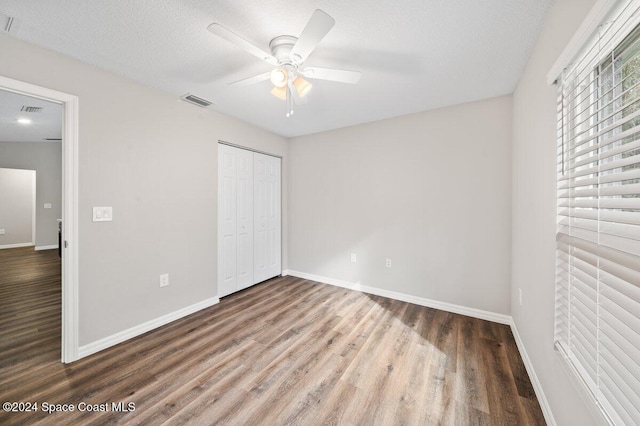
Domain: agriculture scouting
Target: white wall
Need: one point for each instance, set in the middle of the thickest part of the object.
(153, 159)
(534, 211)
(46, 160)
(16, 206)
(431, 191)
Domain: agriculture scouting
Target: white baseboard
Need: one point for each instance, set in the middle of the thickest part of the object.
(8, 246)
(443, 306)
(537, 387)
(132, 332)
(50, 247)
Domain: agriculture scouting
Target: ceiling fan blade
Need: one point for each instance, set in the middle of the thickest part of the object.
(341, 76)
(251, 80)
(234, 38)
(317, 27)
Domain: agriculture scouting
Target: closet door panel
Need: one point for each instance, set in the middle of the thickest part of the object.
(244, 217)
(267, 241)
(259, 212)
(227, 220)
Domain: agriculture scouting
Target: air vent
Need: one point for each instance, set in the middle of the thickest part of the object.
(30, 109)
(196, 100)
(8, 24)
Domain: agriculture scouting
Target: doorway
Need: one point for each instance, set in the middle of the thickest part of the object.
(68, 204)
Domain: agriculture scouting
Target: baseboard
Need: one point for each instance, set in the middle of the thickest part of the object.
(50, 247)
(443, 306)
(132, 332)
(537, 387)
(8, 246)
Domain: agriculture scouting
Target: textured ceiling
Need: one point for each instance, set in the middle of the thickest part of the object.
(414, 55)
(46, 123)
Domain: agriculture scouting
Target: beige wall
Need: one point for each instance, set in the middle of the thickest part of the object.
(16, 206)
(46, 160)
(534, 211)
(431, 191)
(153, 159)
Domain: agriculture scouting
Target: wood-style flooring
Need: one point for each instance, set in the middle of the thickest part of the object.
(288, 351)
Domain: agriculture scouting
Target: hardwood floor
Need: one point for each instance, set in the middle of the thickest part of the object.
(288, 351)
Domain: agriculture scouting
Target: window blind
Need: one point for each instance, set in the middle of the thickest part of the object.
(597, 326)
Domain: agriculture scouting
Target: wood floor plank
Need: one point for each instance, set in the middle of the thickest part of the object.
(287, 351)
(470, 382)
(504, 402)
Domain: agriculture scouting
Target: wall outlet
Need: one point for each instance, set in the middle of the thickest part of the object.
(354, 258)
(164, 280)
(47, 205)
(1, 231)
(520, 296)
(388, 263)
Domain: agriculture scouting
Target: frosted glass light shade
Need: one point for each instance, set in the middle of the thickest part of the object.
(279, 77)
(279, 92)
(302, 86)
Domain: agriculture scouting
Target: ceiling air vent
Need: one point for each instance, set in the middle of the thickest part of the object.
(8, 24)
(196, 100)
(30, 109)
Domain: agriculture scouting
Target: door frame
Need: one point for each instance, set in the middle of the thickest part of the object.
(69, 272)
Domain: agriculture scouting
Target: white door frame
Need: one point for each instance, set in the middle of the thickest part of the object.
(69, 207)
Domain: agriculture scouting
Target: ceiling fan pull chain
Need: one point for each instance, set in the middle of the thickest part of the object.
(287, 102)
(290, 101)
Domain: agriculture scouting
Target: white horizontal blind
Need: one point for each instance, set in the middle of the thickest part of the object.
(598, 240)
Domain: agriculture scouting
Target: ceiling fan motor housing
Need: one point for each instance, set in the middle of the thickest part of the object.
(281, 49)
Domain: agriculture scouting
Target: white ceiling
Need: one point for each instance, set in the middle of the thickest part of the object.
(46, 123)
(414, 55)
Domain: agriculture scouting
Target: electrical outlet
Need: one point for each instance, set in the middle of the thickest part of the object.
(1, 231)
(520, 295)
(388, 263)
(164, 280)
(354, 258)
(47, 205)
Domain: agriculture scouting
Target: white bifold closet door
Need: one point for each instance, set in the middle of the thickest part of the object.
(266, 219)
(249, 242)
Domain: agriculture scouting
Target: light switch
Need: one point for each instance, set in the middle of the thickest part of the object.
(1, 231)
(102, 214)
(47, 205)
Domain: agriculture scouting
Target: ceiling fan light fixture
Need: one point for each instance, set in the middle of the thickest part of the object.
(303, 87)
(279, 77)
(280, 93)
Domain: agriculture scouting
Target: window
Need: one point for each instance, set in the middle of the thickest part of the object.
(597, 325)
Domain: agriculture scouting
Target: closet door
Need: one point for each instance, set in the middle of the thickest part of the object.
(235, 219)
(244, 217)
(227, 223)
(267, 211)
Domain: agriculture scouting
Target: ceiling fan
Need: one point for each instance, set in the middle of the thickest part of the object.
(287, 55)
